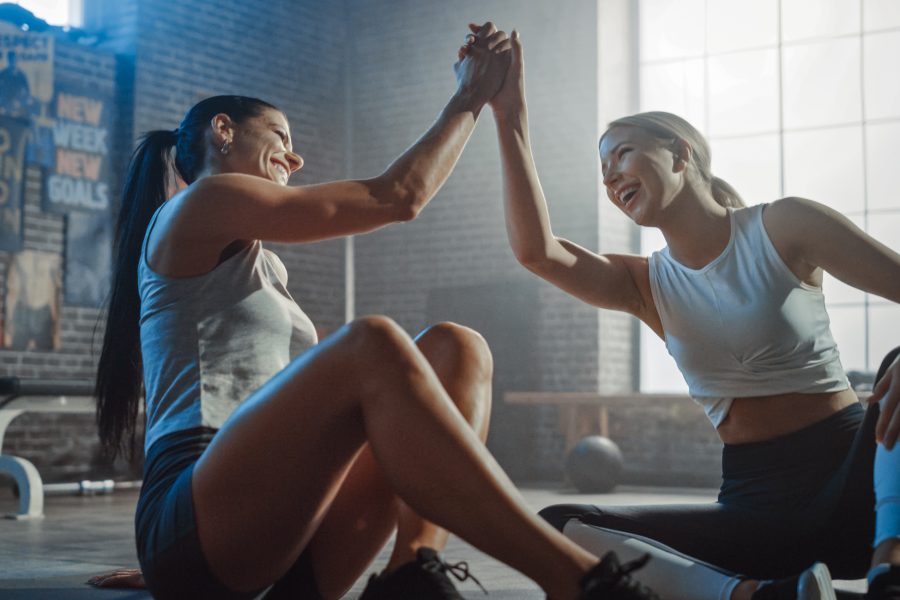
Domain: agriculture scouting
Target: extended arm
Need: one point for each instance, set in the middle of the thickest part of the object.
(222, 208)
(811, 236)
(614, 281)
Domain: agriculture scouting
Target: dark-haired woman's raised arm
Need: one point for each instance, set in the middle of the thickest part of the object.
(224, 205)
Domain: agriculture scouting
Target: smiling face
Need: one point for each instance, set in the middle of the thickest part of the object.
(641, 173)
(261, 146)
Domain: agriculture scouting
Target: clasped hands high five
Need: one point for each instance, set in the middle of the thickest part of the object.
(490, 68)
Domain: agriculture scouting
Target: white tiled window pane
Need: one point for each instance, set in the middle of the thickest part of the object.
(751, 165)
(884, 332)
(826, 166)
(651, 240)
(838, 292)
(738, 24)
(882, 142)
(743, 92)
(659, 374)
(886, 229)
(848, 326)
(676, 87)
(803, 19)
(821, 83)
(671, 29)
(882, 83)
(881, 14)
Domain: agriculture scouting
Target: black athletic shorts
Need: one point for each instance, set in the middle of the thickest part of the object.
(168, 547)
(784, 504)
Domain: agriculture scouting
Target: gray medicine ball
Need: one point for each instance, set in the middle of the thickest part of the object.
(594, 465)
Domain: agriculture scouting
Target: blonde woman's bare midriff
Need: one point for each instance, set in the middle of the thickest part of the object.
(762, 418)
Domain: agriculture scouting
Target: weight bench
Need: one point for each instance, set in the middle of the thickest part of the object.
(36, 395)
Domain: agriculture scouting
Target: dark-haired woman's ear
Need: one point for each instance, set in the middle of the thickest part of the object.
(223, 130)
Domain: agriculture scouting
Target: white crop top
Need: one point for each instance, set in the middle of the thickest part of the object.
(744, 325)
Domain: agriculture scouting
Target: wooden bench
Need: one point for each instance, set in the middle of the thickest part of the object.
(585, 413)
(36, 395)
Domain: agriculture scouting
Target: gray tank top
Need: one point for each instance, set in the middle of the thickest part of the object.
(208, 342)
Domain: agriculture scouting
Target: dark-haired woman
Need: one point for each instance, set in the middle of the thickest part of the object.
(274, 460)
(737, 298)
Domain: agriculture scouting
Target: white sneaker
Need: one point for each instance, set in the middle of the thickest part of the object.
(815, 584)
(812, 584)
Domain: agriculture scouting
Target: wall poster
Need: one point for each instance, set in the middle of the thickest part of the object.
(31, 314)
(13, 135)
(26, 87)
(80, 175)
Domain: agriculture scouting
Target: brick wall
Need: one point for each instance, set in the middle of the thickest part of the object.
(62, 446)
(667, 442)
(290, 54)
(401, 78)
(161, 57)
(360, 80)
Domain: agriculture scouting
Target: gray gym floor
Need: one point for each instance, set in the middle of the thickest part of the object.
(51, 558)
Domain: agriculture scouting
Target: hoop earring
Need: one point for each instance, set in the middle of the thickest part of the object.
(226, 147)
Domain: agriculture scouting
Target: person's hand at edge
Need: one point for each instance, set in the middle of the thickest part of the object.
(121, 578)
(887, 392)
(483, 62)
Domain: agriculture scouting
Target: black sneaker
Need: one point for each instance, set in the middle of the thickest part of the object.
(610, 580)
(885, 586)
(422, 579)
(812, 584)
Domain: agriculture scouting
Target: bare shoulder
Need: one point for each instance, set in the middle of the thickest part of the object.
(188, 238)
(228, 206)
(794, 219)
(802, 217)
(811, 236)
(792, 208)
(790, 222)
(231, 188)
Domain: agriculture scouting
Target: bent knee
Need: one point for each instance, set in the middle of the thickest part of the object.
(458, 341)
(377, 333)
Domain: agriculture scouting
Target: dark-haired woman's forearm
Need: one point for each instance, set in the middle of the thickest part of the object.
(413, 179)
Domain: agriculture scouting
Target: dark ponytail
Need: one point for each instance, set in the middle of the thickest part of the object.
(119, 371)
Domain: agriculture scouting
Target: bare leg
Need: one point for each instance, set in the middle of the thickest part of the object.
(366, 383)
(463, 364)
(366, 511)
